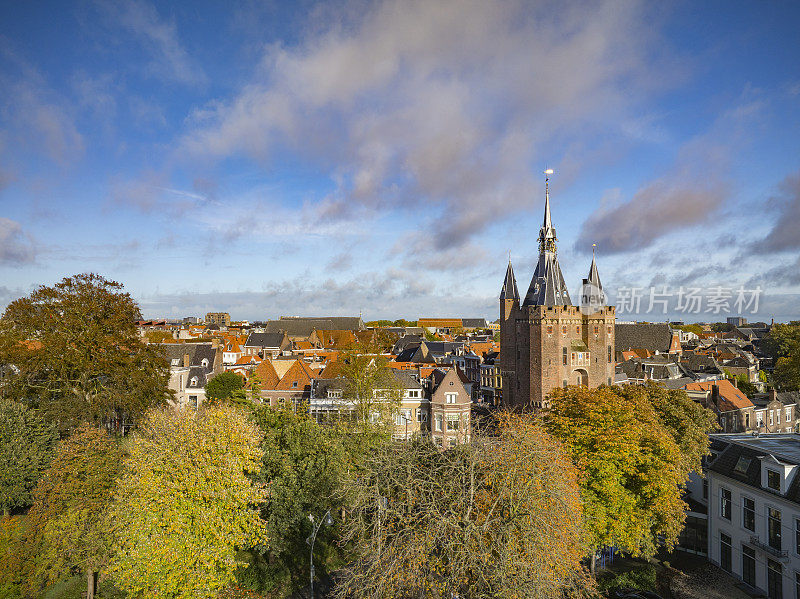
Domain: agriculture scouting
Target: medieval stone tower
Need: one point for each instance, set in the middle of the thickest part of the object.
(546, 342)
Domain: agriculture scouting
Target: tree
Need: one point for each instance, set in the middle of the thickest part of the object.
(222, 386)
(498, 517)
(26, 446)
(303, 465)
(70, 506)
(185, 504)
(370, 386)
(78, 355)
(634, 449)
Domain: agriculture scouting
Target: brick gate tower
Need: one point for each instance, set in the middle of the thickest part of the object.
(546, 342)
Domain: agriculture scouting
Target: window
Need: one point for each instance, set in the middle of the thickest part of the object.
(771, 414)
(725, 552)
(564, 356)
(774, 580)
(596, 330)
(773, 480)
(564, 330)
(335, 393)
(725, 503)
(438, 422)
(193, 381)
(193, 401)
(797, 535)
(572, 356)
(452, 422)
(578, 329)
(609, 354)
(422, 415)
(749, 513)
(759, 419)
(797, 585)
(777, 416)
(747, 419)
(565, 382)
(549, 329)
(788, 414)
(749, 565)
(705, 489)
(452, 442)
(403, 417)
(774, 528)
(413, 393)
(608, 329)
(451, 397)
(204, 362)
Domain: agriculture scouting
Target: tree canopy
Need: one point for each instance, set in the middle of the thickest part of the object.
(26, 446)
(185, 504)
(71, 501)
(77, 354)
(634, 447)
(498, 517)
(222, 386)
(783, 344)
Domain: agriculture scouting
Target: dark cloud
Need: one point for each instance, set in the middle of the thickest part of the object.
(340, 262)
(660, 208)
(17, 248)
(785, 234)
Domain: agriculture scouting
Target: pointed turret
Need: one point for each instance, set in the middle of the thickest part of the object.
(592, 294)
(509, 291)
(547, 286)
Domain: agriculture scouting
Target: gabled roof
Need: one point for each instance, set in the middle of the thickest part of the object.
(298, 373)
(265, 340)
(655, 337)
(297, 326)
(336, 339)
(267, 375)
(730, 398)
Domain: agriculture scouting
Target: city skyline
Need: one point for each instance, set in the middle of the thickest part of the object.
(385, 157)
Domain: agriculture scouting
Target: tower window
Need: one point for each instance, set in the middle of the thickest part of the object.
(608, 329)
(564, 356)
(596, 330)
(549, 329)
(578, 329)
(609, 354)
(564, 329)
(565, 382)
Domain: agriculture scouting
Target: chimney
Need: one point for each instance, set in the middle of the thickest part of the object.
(715, 395)
(735, 382)
(773, 395)
(186, 361)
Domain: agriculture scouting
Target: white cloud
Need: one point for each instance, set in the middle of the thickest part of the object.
(438, 105)
(17, 248)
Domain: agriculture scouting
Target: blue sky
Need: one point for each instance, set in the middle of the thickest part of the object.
(307, 158)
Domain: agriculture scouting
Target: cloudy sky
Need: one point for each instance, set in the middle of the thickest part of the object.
(276, 158)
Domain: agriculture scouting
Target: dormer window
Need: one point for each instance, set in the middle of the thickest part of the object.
(193, 381)
(773, 480)
(204, 362)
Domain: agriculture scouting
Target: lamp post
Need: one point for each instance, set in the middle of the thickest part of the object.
(327, 520)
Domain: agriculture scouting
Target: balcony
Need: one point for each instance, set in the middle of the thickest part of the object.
(756, 542)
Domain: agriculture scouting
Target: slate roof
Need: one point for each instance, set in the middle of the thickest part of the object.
(509, 290)
(474, 323)
(740, 460)
(264, 340)
(406, 342)
(547, 286)
(655, 337)
(196, 351)
(297, 326)
(407, 379)
(319, 387)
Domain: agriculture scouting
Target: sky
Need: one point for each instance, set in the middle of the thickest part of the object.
(386, 158)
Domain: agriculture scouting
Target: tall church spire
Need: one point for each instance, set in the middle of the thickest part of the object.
(547, 286)
(509, 291)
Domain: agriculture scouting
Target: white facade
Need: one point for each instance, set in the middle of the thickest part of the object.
(754, 529)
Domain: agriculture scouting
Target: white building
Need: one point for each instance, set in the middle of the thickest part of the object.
(753, 493)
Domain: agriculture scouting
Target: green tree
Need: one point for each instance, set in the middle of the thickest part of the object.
(185, 505)
(70, 506)
(303, 465)
(499, 517)
(26, 446)
(222, 386)
(370, 386)
(629, 446)
(78, 354)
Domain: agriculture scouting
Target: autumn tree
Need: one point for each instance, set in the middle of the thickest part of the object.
(498, 517)
(26, 446)
(222, 386)
(634, 448)
(70, 506)
(303, 465)
(77, 355)
(185, 504)
(370, 386)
